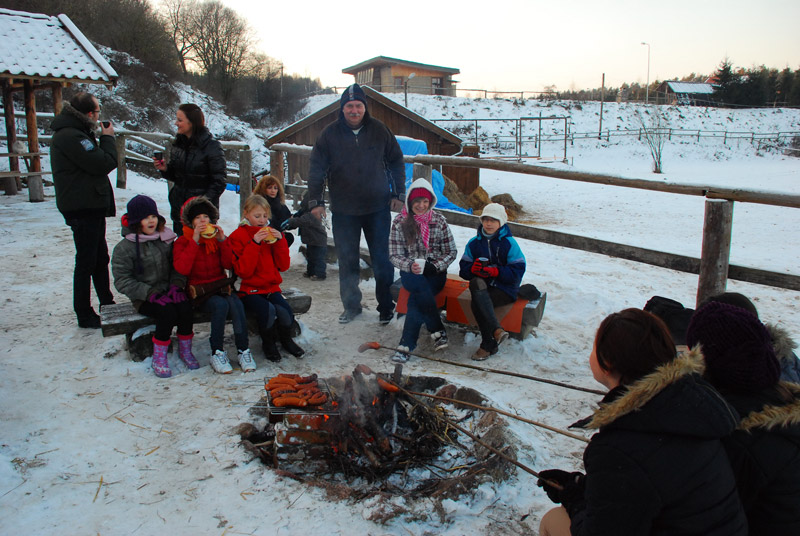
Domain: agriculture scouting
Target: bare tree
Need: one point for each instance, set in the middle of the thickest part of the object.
(178, 19)
(655, 132)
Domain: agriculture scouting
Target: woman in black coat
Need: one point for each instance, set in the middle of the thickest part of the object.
(764, 450)
(656, 466)
(196, 164)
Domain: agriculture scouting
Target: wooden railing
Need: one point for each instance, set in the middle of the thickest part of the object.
(713, 266)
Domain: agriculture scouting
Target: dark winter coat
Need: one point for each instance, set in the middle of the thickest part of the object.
(278, 212)
(156, 262)
(764, 452)
(657, 465)
(197, 167)
(192, 260)
(364, 171)
(312, 231)
(80, 165)
(784, 346)
(259, 266)
(502, 251)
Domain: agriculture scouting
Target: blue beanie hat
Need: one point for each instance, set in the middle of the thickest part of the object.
(352, 93)
(737, 347)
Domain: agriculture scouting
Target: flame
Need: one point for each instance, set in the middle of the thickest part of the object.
(326, 417)
(375, 400)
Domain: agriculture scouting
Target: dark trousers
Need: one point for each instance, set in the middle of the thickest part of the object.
(221, 307)
(347, 236)
(421, 305)
(484, 300)
(169, 315)
(91, 264)
(262, 308)
(315, 257)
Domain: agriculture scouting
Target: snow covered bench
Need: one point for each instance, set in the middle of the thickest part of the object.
(518, 318)
(122, 319)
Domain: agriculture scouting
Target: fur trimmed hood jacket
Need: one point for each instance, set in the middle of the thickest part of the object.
(657, 465)
(784, 350)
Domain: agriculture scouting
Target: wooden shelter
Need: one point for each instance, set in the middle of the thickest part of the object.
(688, 93)
(39, 52)
(392, 75)
(400, 120)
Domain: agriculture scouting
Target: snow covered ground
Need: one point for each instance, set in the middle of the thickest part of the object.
(93, 443)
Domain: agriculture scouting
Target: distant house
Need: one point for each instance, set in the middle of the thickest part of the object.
(688, 93)
(400, 120)
(390, 75)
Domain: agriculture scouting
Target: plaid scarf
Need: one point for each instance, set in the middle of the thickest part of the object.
(210, 245)
(423, 222)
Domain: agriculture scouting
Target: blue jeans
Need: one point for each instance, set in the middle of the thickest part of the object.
(283, 311)
(347, 236)
(220, 308)
(259, 305)
(421, 305)
(315, 256)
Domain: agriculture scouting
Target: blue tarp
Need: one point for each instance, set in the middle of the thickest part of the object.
(412, 147)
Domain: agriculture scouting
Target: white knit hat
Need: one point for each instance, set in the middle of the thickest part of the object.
(496, 211)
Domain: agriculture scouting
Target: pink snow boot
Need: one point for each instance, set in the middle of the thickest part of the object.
(160, 364)
(185, 351)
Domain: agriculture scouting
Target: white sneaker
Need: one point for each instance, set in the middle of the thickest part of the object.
(401, 355)
(439, 340)
(246, 361)
(220, 363)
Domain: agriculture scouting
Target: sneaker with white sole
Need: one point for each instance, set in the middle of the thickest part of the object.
(246, 361)
(439, 340)
(220, 363)
(401, 355)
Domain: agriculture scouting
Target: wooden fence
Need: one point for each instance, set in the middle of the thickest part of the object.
(713, 266)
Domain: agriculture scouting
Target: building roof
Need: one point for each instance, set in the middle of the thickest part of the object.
(36, 46)
(378, 97)
(381, 61)
(690, 87)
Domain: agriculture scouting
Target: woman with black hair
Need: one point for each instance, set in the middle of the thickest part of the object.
(196, 164)
(656, 464)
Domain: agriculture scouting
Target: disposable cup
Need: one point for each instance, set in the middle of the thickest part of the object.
(421, 263)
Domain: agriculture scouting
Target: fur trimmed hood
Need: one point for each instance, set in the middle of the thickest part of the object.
(782, 342)
(672, 399)
(208, 208)
(772, 416)
(70, 117)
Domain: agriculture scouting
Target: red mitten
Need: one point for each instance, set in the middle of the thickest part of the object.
(477, 269)
(491, 271)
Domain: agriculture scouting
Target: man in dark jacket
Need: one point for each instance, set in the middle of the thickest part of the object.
(363, 165)
(84, 196)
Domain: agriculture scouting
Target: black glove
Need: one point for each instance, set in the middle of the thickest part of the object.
(429, 269)
(572, 485)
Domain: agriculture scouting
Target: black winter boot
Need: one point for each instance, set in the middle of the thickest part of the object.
(288, 344)
(268, 344)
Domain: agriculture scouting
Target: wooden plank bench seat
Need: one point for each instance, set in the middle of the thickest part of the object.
(518, 318)
(122, 319)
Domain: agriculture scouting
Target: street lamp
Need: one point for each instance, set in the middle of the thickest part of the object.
(405, 86)
(647, 90)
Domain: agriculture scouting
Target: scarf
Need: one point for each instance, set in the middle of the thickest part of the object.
(423, 222)
(209, 245)
(167, 235)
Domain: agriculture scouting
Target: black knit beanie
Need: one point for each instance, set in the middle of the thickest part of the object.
(352, 93)
(141, 207)
(737, 347)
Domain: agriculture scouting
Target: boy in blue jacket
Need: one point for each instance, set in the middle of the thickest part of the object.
(494, 265)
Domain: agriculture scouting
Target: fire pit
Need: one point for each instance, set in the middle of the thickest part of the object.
(375, 436)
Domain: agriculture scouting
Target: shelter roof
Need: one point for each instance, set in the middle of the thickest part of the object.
(690, 87)
(380, 61)
(37, 46)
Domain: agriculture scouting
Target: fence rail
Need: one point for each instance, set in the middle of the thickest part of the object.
(712, 267)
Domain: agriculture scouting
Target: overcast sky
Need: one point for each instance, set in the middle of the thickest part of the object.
(517, 45)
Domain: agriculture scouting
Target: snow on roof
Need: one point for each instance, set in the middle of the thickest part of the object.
(691, 87)
(33, 45)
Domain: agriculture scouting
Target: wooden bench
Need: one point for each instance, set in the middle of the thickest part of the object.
(518, 318)
(122, 319)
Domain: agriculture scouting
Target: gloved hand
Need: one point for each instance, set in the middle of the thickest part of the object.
(176, 294)
(491, 271)
(477, 269)
(429, 269)
(572, 484)
(284, 225)
(159, 299)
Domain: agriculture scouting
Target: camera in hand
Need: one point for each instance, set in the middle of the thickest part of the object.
(106, 124)
(158, 155)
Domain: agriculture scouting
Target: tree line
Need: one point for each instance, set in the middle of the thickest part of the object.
(201, 42)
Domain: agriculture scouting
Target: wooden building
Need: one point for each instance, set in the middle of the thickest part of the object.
(41, 53)
(391, 75)
(687, 93)
(400, 120)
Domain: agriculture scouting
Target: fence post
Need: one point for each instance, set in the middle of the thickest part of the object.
(245, 177)
(35, 185)
(277, 166)
(422, 171)
(716, 249)
(122, 171)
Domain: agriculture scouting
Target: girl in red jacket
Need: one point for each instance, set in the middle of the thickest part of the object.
(202, 254)
(260, 254)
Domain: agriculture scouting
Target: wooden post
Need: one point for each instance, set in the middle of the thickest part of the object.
(277, 167)
(35, 186)
(422, 171)
(716, 249)
(58, 101)
(602, 98)
(245, 177)
(10, 183)
(122, 171)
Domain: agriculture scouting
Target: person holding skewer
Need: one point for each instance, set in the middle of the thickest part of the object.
(657, 464)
